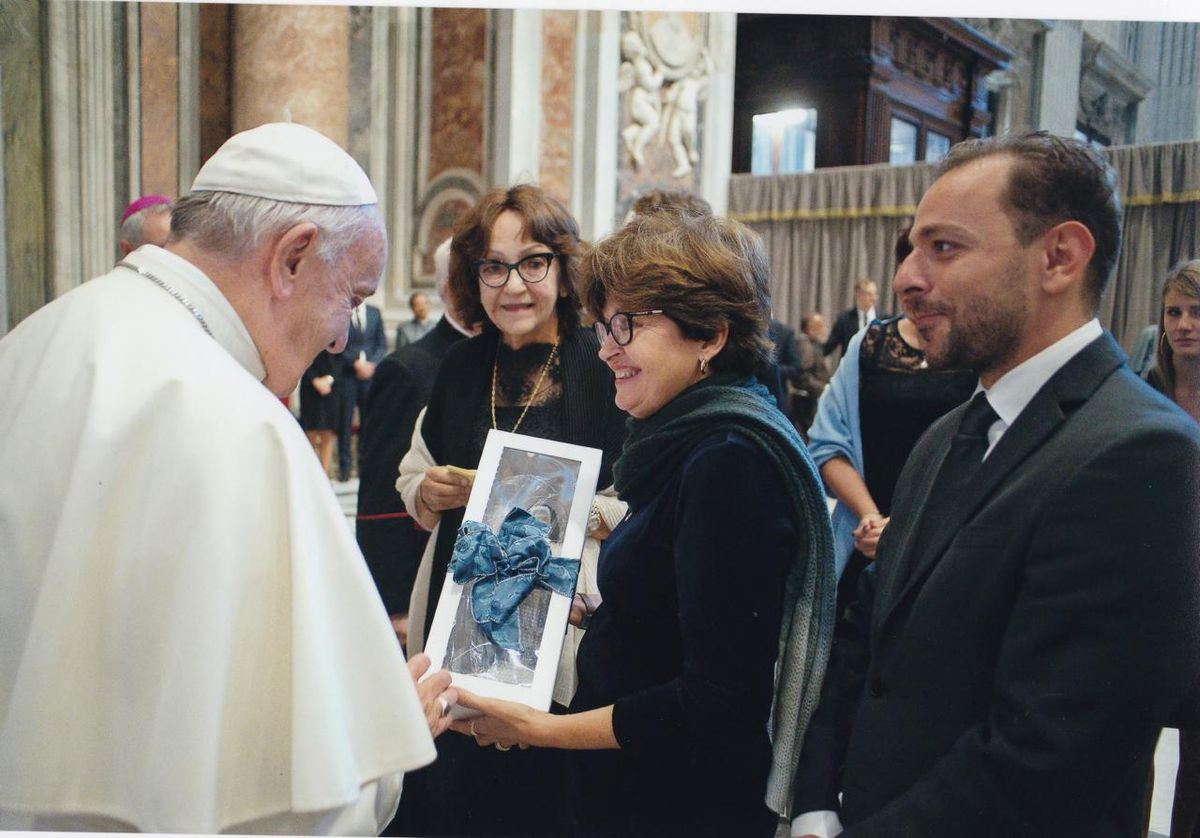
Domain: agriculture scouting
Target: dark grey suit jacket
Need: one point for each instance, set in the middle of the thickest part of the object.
(1012, 680)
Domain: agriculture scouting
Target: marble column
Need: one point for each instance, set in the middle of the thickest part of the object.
(559, 48)
(716, 162)
(1168, 52)
(159, 100)
(189, 96)
(3, 224)
(597, 122)
(292, 63)
(1058, 78)
(81, 142)
(517, 97)
(23, 250)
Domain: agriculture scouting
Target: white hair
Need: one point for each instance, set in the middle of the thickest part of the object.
(233, 225)
(133, 228)
(441, 267)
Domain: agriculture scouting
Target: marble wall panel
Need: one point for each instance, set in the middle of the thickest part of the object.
(160, 98)
(216, 76)
(458, 80)
(24, 180)
(558, 105)
(292, 63)
(358, 141)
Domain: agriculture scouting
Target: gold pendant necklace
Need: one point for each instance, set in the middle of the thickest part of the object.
(536, 387)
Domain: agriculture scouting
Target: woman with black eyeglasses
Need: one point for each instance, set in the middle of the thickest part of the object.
(702, 664)
(533, 370)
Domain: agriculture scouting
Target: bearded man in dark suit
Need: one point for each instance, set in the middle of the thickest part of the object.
(1032, 615)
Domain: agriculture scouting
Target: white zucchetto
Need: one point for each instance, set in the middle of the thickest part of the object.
(284, 161)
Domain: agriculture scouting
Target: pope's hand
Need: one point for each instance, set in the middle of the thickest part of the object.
(435, 693)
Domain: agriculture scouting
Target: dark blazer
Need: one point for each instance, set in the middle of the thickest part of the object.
(844, 328)
(1013, 678)
(787, 354)
(391, 543)
(370, 339)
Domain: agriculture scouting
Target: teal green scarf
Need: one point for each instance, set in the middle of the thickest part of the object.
(654, 449)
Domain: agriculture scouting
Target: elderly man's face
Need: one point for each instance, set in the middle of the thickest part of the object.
(325, 298)
(967, 285)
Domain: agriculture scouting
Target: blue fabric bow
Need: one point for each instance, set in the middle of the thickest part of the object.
(505, 567)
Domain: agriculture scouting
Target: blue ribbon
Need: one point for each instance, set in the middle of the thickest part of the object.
(505, 567)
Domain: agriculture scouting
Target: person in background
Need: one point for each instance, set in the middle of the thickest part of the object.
(421, 324)
(787, 354)
(191, 642)
(1176, 374)
(812, 371)
(679, 201)
(145, 221)
(680, 725)
(854, 319)
(319, 408)
(391, 543)
(533, 370)
(355, 367)
(880, 400)
(1145, 348)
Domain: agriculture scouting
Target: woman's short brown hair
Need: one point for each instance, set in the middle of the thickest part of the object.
(703, 272)
(1184, 278)
(546, 220)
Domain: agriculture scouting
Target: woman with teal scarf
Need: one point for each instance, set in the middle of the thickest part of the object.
(703, 663)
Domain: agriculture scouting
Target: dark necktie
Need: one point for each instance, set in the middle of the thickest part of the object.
(959, 468)
(357, 319)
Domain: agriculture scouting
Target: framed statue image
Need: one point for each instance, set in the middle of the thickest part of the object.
(502, 612)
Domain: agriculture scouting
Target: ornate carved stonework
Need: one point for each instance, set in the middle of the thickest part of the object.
(664, 75)
(911, 52)
(1108, 85)
(1016, 83)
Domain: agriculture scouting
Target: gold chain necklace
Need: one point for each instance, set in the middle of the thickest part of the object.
(536, 387)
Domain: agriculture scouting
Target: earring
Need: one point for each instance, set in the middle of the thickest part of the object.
(703, 365)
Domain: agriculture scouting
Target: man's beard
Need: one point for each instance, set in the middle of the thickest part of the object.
(984, 334)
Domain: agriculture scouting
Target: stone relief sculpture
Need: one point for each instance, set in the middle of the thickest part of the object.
(643, 82)
(665, 74)
(682, 108)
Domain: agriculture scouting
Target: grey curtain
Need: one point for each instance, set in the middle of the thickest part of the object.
(827, 229)
(1160, 189)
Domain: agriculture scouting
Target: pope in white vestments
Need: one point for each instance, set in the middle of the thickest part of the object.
(190, 640)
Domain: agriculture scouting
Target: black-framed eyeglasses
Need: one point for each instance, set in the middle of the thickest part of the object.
(620, 325)
(532, 268)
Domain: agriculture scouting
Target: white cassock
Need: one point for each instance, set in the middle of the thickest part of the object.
(189, 638)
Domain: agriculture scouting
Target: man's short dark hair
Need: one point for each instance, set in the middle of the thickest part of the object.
(412, 298)
(1055, 180)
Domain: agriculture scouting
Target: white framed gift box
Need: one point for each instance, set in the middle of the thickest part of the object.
(522, 536)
